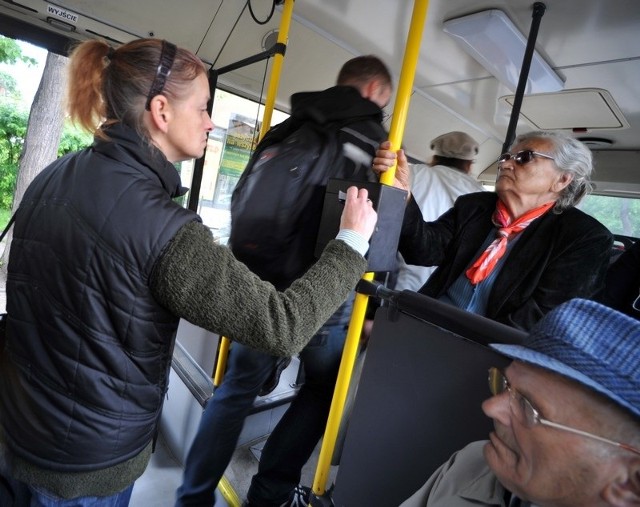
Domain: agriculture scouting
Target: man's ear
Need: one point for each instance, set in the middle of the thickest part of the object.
(623, 490)
(160, 112)
(370, 88)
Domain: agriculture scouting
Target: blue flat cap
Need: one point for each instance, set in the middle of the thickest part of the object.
(590, 343)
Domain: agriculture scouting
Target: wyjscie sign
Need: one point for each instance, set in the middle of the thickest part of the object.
(68, 16)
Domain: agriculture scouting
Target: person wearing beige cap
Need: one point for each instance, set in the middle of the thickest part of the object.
(458, 146)
(514, 254)
(435, 187)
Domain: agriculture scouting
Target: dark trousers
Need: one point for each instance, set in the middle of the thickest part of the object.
(292, 441)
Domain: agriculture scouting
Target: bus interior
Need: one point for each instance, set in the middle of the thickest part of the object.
(583, 80)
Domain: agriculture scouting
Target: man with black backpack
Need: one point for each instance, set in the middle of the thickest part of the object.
(276, 211)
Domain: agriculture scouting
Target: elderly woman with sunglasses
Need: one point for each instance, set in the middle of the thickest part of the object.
(515, 254)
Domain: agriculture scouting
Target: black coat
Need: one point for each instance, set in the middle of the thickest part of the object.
(622, 285)
(274, 231)
(344, 104)
(558, 257)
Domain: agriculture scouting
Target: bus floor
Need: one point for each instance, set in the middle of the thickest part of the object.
(157, 486)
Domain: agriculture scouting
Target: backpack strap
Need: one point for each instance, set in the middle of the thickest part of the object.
(9, 224)
(3, 316)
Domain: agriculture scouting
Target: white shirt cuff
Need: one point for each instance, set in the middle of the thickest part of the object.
(354, 240)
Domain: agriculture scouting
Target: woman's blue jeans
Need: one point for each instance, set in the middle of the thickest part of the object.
(18, 494)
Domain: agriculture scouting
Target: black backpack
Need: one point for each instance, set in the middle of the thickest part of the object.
(276, 205)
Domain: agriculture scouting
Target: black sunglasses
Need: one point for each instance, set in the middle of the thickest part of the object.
(522, 157)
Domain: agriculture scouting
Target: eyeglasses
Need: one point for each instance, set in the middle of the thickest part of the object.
(525, 414)
(522, 157)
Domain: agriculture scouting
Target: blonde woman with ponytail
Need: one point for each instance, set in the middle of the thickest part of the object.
(103, 265)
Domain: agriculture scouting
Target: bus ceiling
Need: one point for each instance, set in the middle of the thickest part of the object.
(591, 45)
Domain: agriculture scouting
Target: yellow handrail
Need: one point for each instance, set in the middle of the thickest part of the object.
(228, 493)
(221, 362)
(400, 112)
(276, 70)
(274, 81)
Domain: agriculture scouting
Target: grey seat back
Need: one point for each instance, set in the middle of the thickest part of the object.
(418, 399)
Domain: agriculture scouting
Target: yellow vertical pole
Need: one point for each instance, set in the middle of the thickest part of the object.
(405, 84)
(276, 69)
(274, 81)
(400, 112)
(221, 362)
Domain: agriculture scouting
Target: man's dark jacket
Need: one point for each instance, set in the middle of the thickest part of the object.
(558, 257)
(360, 135)
(362, 118)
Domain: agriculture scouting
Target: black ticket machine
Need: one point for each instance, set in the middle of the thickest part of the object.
(389, 203)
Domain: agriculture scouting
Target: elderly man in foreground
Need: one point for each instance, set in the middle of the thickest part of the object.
(566, 414)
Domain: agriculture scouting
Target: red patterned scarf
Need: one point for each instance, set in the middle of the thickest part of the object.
(484, 265)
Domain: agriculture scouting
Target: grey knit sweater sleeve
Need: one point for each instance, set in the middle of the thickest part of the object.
(203, 283)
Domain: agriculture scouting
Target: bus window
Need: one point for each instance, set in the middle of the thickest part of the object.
(230, 145)
(620, 215)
